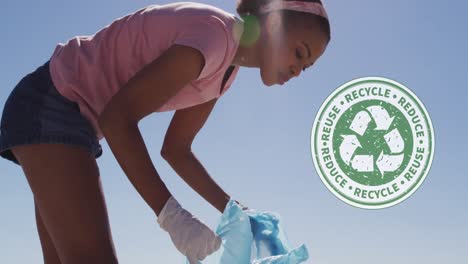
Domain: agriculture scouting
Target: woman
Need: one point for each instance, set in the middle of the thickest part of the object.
(180, 56)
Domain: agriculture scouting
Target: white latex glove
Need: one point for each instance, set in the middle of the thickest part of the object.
(189, 235)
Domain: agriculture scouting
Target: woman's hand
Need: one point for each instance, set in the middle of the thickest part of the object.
(242, 206)
(189, 235)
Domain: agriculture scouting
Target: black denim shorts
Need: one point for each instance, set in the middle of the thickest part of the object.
(35, 112)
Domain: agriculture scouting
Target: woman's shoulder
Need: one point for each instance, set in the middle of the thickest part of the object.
(191, 10)
(206, 28)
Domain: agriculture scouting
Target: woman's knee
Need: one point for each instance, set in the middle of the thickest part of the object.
(89, 255)
(49, 252)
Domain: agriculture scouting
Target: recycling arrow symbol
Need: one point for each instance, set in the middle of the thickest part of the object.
(359, 125)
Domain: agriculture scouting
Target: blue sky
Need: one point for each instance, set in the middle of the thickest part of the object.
(256, 144)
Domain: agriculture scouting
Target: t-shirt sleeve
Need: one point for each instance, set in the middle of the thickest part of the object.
(208, 35)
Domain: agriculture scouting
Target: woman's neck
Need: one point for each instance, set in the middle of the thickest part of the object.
(246, 54)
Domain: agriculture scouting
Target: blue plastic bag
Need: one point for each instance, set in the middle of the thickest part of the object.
(251, 237)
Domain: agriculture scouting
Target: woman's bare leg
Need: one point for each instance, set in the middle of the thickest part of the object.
(48, 249)
(67, 190)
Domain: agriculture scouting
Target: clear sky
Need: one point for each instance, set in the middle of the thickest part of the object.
(256, 144)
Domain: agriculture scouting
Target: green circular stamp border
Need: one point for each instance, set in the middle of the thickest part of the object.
(345, 87)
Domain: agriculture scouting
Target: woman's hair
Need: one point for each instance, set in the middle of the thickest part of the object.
(251, 7)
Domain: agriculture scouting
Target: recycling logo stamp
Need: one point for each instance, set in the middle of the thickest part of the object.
(372, 143)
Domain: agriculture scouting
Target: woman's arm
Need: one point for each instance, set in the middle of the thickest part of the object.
(147, 91)
(177, 150)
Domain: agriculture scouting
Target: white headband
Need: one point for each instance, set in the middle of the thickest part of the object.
(301, 6)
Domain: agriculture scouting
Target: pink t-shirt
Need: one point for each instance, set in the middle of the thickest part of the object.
(89, 70)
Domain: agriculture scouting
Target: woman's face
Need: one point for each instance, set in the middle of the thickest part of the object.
(287, 51)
